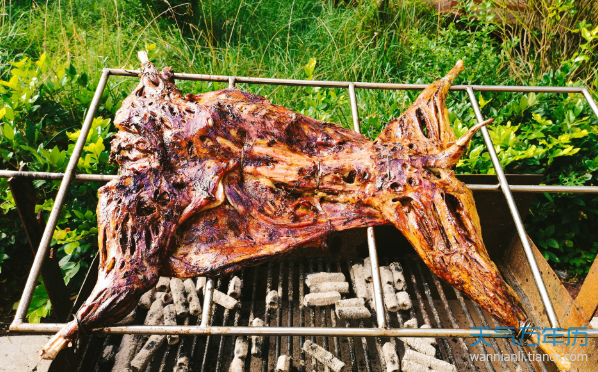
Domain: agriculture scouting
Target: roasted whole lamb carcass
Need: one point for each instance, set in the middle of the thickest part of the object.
(214, 182)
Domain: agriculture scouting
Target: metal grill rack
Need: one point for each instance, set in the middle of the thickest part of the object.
(213, 353)
(381, 326)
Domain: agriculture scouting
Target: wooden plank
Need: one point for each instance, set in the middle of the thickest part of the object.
(587, 299)
(569, 313)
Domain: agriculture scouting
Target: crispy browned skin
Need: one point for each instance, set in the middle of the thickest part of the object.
(213, 182)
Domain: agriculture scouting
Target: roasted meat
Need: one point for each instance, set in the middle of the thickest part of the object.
(214, 182)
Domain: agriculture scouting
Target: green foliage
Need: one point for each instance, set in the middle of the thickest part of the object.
(40, 102)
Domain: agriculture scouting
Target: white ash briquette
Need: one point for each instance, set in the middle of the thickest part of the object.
(107, 356)
(347, 313)
(385, 275)
(419, 345)
(234, 287)
(130, 318)
(177, 288)
(182, 363)
(367, 269)
(192, 299)
(322, 277)
(146, 299)
(283, 364)
(409, 366)
(237, 365)
(169, 314)
(321, 299)
(272, 300)
(429, 361)
(224, 300)
(350, 302)
(165, 297)
(257, 342)
(404, 300)
(323, 356)
(397, 276)
(241, 347)
(361, 289)
(340, 287)
(155, 313)
(411, 323)
(163, 284)
(125, 353)
(390, 298)
(391, 357)
(141, 360)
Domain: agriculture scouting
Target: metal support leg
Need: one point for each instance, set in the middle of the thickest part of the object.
(504, 185)
(591, 102)
(60, 197)
(378, 301)
(207, 302)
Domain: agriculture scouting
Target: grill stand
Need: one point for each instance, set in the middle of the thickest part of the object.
(381, 324)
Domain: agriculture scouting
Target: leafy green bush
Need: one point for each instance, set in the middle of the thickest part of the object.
(40, 103)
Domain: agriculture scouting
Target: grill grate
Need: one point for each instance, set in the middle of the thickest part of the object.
(215, 352)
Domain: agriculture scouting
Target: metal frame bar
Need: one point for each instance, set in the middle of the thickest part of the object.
(82, 177)
(69, 175)
(529, 253)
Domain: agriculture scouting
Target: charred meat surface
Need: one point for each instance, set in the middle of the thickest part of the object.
(214, 182)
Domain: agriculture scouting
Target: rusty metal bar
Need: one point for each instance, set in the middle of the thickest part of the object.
(290, 308)
(366, 354)
(350, 341)
(212, 309)
(279, 307)
(428, 293)
(333, 315)
(207, 302)
(322, 309)
(527, 362)
(284, 331)
(312, 322)
(301, 321)
(221, 343)
(266, 345)
(557, 189)
(345, 84)
(515, 213)
(451, 316)
(478, 311)
(378, 298)
(471, 323)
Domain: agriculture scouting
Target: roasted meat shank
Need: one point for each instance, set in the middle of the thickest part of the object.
(213, 182)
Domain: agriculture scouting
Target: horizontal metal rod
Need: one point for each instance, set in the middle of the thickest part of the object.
(50, 176)
(345, 84)
(287, 331)
(476, 187)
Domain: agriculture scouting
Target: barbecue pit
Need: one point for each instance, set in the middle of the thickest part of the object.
(363, 341)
